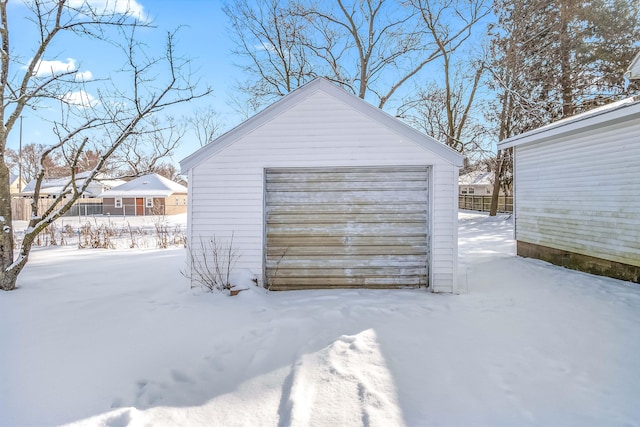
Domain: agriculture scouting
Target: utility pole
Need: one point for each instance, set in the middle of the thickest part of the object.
(20, 159)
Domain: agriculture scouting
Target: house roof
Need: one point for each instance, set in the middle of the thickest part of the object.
(152, 185)
(610, 114)
(57, 185)
(300, 94)
(633, 72)
(476, 178)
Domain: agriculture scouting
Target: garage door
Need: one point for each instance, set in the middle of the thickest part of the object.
(346, 228)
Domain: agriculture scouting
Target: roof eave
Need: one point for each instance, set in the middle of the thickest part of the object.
(574, 125)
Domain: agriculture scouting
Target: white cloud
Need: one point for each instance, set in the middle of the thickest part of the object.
(83, 76)
(123, 7)
(80, 99)
(50, 68)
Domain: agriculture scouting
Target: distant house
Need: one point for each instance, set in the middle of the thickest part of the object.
(14, 185)
(479, 183)
(52, 188)
(323, 190)
(147, 195)
(576, 185)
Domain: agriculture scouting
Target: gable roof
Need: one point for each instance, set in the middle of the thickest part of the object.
(613, 113)
(633, 72)
(152, 185)
(476, 178)
(55, 186)
(300, 94)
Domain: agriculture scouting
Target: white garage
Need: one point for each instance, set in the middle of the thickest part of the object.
(576, 182)
(323, 190)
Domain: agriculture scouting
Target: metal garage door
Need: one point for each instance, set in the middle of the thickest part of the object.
(346, 228)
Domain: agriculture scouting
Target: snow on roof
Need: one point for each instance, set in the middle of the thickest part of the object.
(303, 92)
(152, 185)
(476, 178)
(609, 114)
(57, 185)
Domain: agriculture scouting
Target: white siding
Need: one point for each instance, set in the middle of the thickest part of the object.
(227, 189)
(578, 193)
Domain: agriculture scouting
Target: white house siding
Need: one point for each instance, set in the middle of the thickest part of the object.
(227, 189)
(579, 193)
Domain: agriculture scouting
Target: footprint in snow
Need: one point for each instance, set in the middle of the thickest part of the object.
(181, 377)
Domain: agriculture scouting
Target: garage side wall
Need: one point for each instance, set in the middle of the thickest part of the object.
(227, 190)
(576, 199)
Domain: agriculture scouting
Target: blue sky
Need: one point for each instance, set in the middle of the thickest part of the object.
(202, 37)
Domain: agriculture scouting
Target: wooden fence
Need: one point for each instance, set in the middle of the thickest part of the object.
(483, 203)
(21, 207)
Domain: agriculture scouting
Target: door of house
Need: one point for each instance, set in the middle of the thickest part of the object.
(139, 206)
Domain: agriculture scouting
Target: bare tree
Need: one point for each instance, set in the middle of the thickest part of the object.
(551, 60)
(169, 171)
(267, 38)
(206, 125)
(363, 44)
(446, 112)
(144, 152)
(30, 159)
(106, 120)
(370, 47)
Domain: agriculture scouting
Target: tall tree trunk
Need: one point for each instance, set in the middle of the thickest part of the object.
(493, 209)
(566, 82)
(7, 282)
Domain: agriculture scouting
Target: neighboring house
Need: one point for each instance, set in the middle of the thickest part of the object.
(479, 183)
(576, 186)
(322, 190)
(147, 195)
(52, 188)
(14, 185)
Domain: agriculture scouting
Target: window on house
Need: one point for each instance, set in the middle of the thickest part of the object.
(464, 190)
(117, 202)
(471, 190)
(177, 201)
(149, 202)
(184, 201)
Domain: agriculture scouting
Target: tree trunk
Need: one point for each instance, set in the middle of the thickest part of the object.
(493, 209)
(566, 81)
(7, 281)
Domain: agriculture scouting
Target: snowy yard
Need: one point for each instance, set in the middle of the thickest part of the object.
(116, 337)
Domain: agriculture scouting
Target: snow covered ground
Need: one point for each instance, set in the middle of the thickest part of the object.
(116, 337)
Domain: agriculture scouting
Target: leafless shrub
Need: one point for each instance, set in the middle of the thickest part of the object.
(132, 236)
(68, 230)
(50, 232)
(211, 264)
(162, 231)
(99, 236)
(271, 280)
(179, 239)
